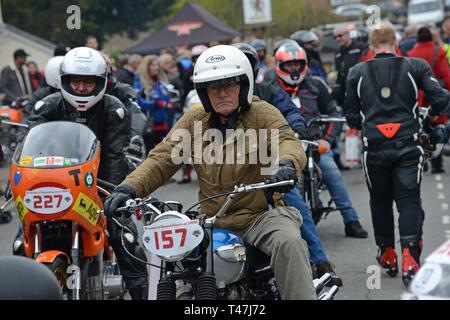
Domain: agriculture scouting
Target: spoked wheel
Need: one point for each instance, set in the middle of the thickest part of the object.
(59, 267)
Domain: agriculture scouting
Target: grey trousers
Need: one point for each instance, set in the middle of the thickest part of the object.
(277, 234)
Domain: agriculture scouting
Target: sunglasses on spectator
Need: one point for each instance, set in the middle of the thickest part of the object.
(338, 36)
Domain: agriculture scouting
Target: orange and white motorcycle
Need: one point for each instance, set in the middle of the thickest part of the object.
(54, 184)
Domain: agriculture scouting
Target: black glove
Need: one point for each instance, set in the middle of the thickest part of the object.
(286, 171)
(117, 199)
(310, 134)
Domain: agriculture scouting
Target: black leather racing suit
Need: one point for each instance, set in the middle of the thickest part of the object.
(381, 100)
(108, 119)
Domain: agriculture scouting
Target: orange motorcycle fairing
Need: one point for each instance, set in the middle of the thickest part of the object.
(50, 256)
(66, 193)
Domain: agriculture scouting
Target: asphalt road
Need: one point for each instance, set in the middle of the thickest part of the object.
(354, 259)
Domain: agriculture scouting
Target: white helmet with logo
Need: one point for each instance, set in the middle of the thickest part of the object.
(83, 61)
(223, 64)
(53, 72)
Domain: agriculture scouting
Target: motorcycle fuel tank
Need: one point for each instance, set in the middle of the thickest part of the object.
(229, 257)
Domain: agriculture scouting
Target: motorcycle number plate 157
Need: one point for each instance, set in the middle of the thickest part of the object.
(48, 200)
(170, 237)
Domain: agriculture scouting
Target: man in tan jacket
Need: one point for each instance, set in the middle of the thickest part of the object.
(223, 79)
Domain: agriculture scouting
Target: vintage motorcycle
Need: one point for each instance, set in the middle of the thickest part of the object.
(10, 116)
(213, 263)
(432, 281)
(310, 182)
(54, 186)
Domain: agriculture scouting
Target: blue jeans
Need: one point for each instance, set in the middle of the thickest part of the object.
(308, 228)
(336, 186)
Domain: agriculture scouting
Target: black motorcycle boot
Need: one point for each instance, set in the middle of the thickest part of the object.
(411, 250)
(354, 229)
(387, 259)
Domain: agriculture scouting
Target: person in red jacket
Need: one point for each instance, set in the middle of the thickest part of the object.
(436, 57)
(369, 54)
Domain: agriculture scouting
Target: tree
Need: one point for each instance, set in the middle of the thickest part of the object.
(287, 15)
(47, 18)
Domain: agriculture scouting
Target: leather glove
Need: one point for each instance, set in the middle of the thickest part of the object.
(286, 171)
(311, 134)
(117, 199)
(304, 133)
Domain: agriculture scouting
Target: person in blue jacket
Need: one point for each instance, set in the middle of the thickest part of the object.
(275, 95)
(154, 100)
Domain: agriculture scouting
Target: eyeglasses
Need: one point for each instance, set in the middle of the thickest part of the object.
(86, 82)
(227, 87)
(339, 35)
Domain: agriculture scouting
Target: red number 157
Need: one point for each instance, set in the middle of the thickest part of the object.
(167, 238)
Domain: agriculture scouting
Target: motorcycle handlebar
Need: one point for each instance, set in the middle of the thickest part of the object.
(329, 295)
(311, 143)
(17, 124)
(106, 185)
(320, 283)
(325, 119)
(261, 185)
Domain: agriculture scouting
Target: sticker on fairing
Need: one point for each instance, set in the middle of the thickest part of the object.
(87, 208)
(21, 209)
(48, 161)
(89, 180)
(26, 161)
(70, 161)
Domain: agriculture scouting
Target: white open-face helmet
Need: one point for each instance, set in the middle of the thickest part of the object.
(223, 64)
(83, 61)
(53, 72)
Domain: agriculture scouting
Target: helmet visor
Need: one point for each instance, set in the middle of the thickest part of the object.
(83, 86)
(293, 67)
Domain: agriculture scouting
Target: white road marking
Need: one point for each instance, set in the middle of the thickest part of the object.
(440, 185)
(444, 206)
(446, 220)
(441, 196)
(438, 177)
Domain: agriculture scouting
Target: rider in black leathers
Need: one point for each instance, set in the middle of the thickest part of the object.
(107, 117)
(381, 100)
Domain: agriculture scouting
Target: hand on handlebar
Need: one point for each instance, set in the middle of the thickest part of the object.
(310, 134)
(286, 171)
(117, 199)
(324, 146)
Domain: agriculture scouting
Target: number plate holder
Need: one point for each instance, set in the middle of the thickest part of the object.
(48, 200)
(171, 238)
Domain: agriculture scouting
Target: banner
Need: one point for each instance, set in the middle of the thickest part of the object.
(257, 11)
